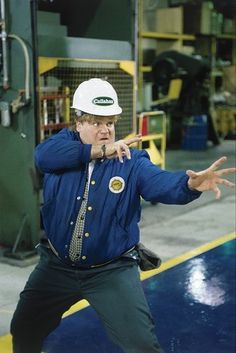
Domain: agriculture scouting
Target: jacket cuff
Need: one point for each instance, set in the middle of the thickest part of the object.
(190, 191)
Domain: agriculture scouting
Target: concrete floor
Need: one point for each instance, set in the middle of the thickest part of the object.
(168, 230)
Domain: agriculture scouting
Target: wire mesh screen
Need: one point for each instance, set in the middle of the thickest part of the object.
(58, 85)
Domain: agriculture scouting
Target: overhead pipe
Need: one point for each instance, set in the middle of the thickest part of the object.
(4, 106)
(3, 36)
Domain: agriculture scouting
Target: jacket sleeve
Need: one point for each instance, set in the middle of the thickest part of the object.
(157, 185)
(61, 152)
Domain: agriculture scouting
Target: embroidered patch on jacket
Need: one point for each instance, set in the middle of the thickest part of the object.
(116, 184)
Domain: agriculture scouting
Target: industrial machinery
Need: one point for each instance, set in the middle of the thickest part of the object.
(19, 219)
(44, 56)
(182, 83)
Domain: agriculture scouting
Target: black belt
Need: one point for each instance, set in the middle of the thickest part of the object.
(130, 254)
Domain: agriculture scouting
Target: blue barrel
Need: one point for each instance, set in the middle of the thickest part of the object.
(195, 133)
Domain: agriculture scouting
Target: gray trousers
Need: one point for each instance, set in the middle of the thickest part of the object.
(114, 291)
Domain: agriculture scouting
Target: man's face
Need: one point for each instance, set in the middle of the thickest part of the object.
(97, 130)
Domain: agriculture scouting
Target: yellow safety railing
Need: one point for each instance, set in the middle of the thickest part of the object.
(152, 126)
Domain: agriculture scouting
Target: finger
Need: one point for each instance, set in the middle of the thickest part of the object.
(135, 139)
(119, 153)
(191, 173)
(226, 171)
(123, 150)
(217, 163)
(126, 151)
(124, 155)
(217, 192)
(118, 149)
(226, 182)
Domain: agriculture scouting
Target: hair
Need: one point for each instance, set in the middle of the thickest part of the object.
(82, 117)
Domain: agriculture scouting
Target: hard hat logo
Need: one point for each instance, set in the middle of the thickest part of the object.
(103, 101)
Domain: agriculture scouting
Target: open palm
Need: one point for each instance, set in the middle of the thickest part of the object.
(210, 178)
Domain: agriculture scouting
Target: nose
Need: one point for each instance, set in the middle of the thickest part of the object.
(103, 128)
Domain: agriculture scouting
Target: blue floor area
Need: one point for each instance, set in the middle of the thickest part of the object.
(193, 305)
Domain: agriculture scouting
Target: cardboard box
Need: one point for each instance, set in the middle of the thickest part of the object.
(198, 18)
(226, 120)
(216, 22)
(169, 20)
(202, 46)
(229, 25)
(163, 45)
(187, 50)
(229, 79)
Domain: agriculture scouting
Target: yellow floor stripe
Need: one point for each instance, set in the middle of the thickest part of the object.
(5, 341)
(188, 255)
(5, 344)
(76, 307)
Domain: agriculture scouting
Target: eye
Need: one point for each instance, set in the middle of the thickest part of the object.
(96, 124)
(110, 124)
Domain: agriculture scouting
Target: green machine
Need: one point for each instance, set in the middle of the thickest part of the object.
(19, 191)
(45, 52)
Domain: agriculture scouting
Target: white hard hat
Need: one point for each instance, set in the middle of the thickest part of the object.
(96, 96)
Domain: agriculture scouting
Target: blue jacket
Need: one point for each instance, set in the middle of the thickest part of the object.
(113, 209)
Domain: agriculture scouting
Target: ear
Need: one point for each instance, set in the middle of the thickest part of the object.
(78, 125)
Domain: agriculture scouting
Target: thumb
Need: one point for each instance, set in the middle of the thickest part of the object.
(191, 173)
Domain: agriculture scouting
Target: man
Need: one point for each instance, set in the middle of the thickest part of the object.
(92, 190)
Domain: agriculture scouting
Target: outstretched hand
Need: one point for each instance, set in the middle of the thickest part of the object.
(210, 178)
